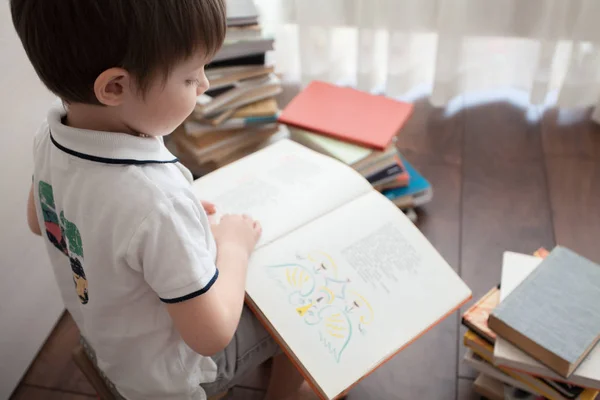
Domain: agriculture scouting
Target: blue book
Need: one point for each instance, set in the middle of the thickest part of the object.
(418, 187)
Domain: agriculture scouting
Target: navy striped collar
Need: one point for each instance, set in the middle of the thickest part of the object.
(106, 147)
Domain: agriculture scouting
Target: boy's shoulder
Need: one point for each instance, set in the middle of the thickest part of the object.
(159, 182)
(137, 173)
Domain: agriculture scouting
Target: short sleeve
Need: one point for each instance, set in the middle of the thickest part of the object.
(170, 249)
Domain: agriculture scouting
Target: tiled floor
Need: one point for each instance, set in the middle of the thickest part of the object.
(501, 182)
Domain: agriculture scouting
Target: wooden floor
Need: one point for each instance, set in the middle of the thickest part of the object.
(501, 182)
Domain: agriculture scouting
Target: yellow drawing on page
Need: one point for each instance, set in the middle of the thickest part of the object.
(324, 299)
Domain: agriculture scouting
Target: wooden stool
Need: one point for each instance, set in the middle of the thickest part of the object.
(99, 384)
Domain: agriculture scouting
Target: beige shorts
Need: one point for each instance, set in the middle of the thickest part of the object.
(251, 346)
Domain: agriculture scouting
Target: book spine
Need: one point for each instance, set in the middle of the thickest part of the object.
(253, 59)
(258, 120)
(475, 329)
(386, 173)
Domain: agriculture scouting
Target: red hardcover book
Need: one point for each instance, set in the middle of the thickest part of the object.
(347, 114)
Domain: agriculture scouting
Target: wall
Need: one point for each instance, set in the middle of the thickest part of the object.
(30, 303)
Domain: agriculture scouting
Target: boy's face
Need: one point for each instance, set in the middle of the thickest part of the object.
(166, 104)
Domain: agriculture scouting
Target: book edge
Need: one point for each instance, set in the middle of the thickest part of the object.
(470, 325)
(379, 145)
(585, 383)
(486, 386)
(535, 350)
(475, 363)
(544, 389)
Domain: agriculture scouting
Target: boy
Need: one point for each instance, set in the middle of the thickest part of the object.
(155, 290)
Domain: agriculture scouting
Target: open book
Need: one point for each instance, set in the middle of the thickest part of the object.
(341, 277)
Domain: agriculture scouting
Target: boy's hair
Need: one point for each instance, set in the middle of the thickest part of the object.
(71, 42)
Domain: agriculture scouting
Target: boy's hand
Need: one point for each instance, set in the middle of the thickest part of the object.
(238, 231)
(208, 207)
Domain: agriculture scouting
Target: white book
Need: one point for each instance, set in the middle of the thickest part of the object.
(341, 277)
(246, 32)
(207, 104)
(241, 12)
(515, 268)
(241, 48)
(266, 92)
(220, 77)
(488, 387)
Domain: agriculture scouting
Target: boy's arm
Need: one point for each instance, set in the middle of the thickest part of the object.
(32, 220)
(204, 298)
(208, 322)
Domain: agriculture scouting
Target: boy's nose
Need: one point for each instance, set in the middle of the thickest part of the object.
(203, 86)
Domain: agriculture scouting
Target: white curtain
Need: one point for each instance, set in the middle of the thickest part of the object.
(547, 49)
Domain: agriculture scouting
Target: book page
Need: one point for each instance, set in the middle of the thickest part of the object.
(283, 186)
(351, 288)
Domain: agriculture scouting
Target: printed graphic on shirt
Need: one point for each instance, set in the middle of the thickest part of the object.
(75, 248)
(64, 235)
(53, 230)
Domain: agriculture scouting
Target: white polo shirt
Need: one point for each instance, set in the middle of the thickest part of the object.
(125, 235)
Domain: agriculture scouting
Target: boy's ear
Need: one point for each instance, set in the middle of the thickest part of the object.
(110, 86)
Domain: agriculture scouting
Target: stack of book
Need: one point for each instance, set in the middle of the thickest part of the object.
(536, 332)
(360, 130)
(238, 113)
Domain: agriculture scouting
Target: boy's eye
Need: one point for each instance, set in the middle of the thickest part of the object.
(191, 82)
